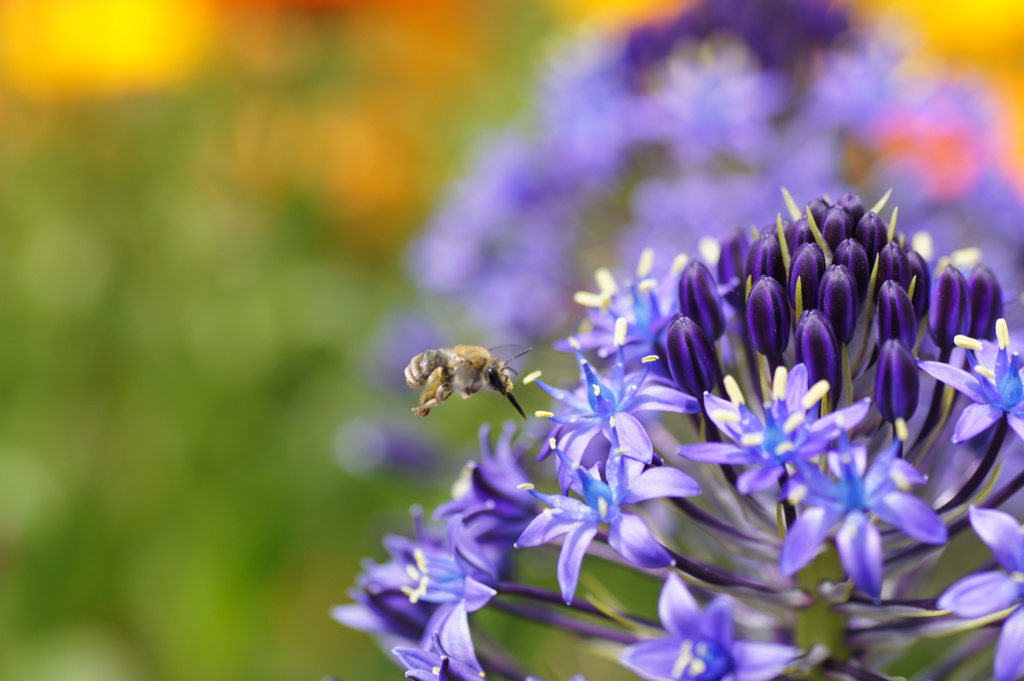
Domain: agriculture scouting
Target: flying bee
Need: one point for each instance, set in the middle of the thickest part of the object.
(464, 369)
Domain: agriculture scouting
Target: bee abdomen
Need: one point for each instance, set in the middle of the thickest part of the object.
(422, 365)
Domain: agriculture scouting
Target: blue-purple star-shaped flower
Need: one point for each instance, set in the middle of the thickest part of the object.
(701, 646)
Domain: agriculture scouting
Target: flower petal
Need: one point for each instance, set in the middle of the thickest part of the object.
(658, 483)
(843, 419)
(677, 609)
(632, 437)
(1009, 662)
(631, 539)
(544, 528)
(717, 452)
(974, 419)
(980, 594)
(1002, 534)
(717, 624)
(958, 379)
(757, 479)
(653, 660)
(860, 553)
(913, 516)
(1017, 423)
(663, 398)
(571, 557)
(757, 661)
(805, 538)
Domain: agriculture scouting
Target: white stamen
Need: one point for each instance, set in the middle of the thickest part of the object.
(606, 281)
(752, 439)
(967, 343)
(1002, 333)
(901, 429)
(611, 421)
(678, 263)
(724, 416)
(541, 414)
(732, 389)
(779, 383)
(924, 245)
(683, 659)
(815, 393)
(649, 358)
(597, 390)
(531, 377)
(794, 421)
(553, 443)
(710, 250)
(621, 325)
(645, 264)
(965, 257)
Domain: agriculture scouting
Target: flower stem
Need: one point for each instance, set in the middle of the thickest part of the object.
(818, 624)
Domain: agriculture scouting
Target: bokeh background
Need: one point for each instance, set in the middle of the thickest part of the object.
(204, 206)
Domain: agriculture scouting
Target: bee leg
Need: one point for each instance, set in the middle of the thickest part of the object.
(435, 392)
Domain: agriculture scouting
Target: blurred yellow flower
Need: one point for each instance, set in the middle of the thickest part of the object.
(70, 48)
(616, 14)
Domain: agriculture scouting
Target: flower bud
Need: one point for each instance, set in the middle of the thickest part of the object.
(950, 313)
(923, 288)
(765, 259)
(699, 299)
(798, 233)
(836, 226)
(897, 384)
(807, 266)
(691, 358)
(893, 265)
(768, 317)
(853, 205)
(732, 265)
(852, 254)
(872, 233)
(839, 301)
(986, 302)
(896, 318)
(818, 207)
(818, 350)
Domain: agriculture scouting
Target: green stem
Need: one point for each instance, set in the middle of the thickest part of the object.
(819, 625)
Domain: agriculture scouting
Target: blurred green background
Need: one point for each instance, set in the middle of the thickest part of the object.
(203, 204)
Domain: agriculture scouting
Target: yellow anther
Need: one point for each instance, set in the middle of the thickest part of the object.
(793, 422)
(573, 343)
(597, 390)
(815, 393)
(901, 480)
(588, 299)
(1017, 577)
(710, 250)
(645, 264)
(649, 358)
(421, 559)
(541, 414)
(1002, 334)
(647, 284)
(779, 383)
(752, 439)
(419, 592)
(965, 257)
(985, 371)
(967, 343)
(923, 244)
(678, 263)
(606, 281)
(621, 325)
(552, 442)
(797, 495)
(724, 416)
(531, 377)
(683, 659)
(611, 421)
(785, 447)
(732, 389)
(602, 506)
(412, 572)
(901, 429)
(697, 667)
(525, 486)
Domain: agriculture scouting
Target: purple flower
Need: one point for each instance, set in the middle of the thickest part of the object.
(627, 483)
(451, 656)
(995, 386)
(986, 593)
(701, 646)
(789, 432)
(600, 407)
(849, 499)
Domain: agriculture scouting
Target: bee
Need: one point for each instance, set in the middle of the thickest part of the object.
(464, 369)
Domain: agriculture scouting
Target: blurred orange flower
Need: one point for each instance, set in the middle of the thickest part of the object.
(616, 14)
(70, 48)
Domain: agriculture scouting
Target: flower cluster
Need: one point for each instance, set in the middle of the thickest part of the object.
(693, 123)
(798, 400)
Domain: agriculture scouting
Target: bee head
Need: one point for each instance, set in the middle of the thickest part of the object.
(498, 378)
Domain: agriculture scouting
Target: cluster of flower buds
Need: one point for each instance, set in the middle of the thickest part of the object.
(820, 398)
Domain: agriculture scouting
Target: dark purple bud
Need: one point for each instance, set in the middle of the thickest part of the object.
(765, 259)
(836, 227)
(872, 233)
(732, 265)
(923, 288)
(853, 205)
(897, 384)
(852, 255)
(768, 317)
(799, 233)
(986, 302)
(893, 265)
(839, 301)
(896, 318)
(699, 299)
(950, 313)
(691, 358)
(818, 208)
(817, 348)
(807, 266)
